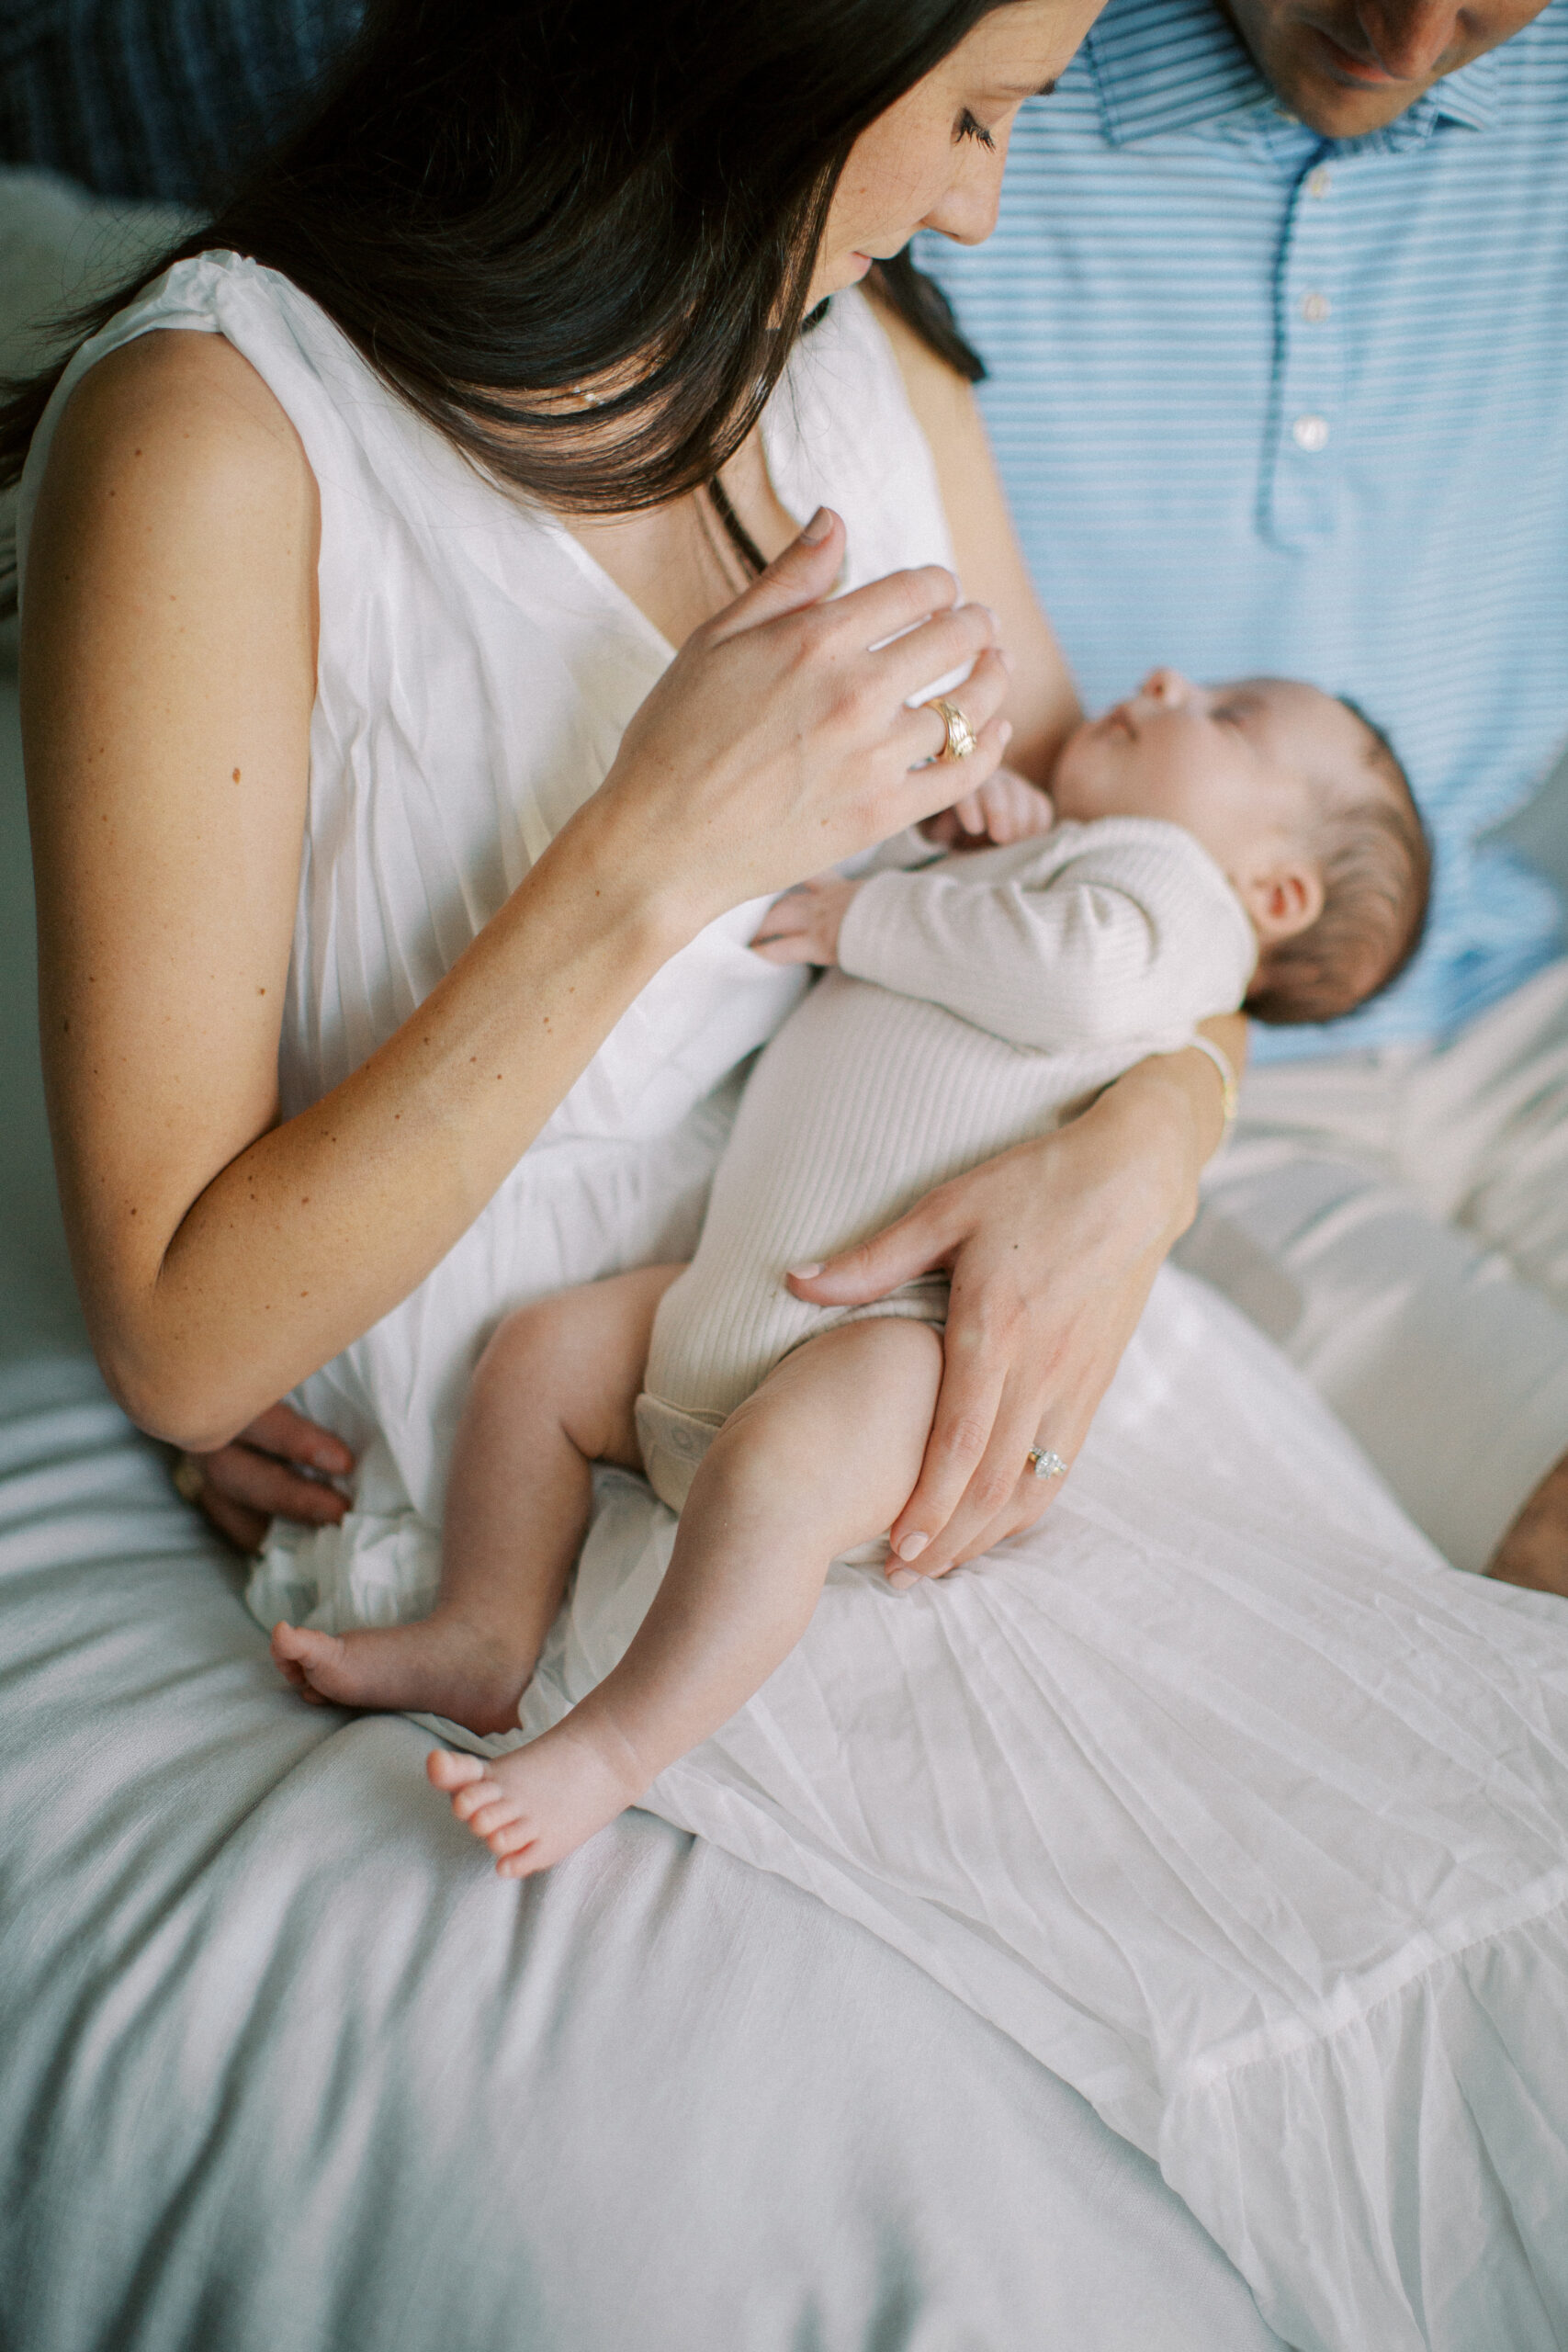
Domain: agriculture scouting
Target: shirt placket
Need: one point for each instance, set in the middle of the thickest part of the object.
(1304, 462)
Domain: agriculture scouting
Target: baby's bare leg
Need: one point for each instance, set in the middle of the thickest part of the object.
(819, 1459)
(553, 1392)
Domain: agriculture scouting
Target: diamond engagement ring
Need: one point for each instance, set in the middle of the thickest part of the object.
(961, 737)
(1044, 1464)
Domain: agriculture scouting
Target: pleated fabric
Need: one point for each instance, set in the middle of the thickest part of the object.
(1230, 1801)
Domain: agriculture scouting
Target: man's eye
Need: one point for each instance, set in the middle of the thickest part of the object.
(968, 127)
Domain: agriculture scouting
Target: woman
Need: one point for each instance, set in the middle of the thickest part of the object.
(381, 835)
(196, 1319)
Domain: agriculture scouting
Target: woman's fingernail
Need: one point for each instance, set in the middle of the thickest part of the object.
(909, 1548)
(902, 1580)
(806, 1274)
(817, 530)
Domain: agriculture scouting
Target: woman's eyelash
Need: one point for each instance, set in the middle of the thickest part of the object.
(968, 127)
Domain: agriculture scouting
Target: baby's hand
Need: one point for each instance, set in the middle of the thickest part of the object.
(803, 926)
(1005, 809)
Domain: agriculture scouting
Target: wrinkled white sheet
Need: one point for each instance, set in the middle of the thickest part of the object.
(285, 2069)
(1227, 1800)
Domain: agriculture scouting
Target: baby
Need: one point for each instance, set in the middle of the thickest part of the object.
(1202, 847)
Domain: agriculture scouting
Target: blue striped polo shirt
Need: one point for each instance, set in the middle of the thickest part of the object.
(1267, 401)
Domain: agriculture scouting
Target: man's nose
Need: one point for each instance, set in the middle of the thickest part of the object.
(1409, 38)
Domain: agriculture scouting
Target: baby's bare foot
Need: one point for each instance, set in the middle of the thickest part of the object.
(443, 1666)
(534, 1806)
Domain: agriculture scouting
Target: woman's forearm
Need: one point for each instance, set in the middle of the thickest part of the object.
(1181, 1099)
(322, 1224)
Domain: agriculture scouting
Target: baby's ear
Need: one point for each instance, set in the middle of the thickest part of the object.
(1282, 894)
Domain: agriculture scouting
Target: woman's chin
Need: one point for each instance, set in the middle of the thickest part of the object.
(832, 276)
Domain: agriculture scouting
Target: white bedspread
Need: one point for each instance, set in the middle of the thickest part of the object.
(1230, 1802)
(1222, 1796)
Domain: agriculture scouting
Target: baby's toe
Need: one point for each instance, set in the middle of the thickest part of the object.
(497, 1812)
(509, 1838)
(448, 1771)
(467, 1800)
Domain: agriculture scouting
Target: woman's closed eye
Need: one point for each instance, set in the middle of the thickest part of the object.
(971, 127)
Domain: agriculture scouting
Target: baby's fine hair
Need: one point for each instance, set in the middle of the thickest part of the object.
(1377, 876)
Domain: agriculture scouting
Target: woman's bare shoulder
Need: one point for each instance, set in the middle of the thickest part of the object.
(188, 412)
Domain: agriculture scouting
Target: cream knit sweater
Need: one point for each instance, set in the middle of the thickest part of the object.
(979, 999)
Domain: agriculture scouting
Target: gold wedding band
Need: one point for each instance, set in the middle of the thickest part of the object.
(961, 737)
(189, 1478)
(1044, 1464)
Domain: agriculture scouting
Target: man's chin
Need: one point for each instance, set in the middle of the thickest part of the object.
(1333, 92)
(1336, 105)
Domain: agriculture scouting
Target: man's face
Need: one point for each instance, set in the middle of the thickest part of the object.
(1349, 66)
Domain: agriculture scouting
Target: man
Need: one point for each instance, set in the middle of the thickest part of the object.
(1277, 322)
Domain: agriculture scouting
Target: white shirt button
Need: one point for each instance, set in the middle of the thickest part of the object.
(1309, 432)
(1320, 181)
(1315, 308)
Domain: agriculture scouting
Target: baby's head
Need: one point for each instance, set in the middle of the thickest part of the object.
(1301, 801)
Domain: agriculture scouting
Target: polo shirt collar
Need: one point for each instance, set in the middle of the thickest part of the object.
(1171, 65)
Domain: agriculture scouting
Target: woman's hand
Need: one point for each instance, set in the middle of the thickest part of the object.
(1051, 1249)
(262, 1475)
(803, 926)
(780, 741)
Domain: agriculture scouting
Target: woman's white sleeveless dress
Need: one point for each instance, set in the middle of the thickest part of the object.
(1218, 1791)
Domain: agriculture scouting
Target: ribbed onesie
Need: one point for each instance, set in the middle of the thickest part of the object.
(979, 999)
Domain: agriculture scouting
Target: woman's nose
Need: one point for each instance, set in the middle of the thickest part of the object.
(966, 211)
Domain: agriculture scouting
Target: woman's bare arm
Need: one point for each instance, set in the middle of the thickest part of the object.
(168, 680)
(1043, 702)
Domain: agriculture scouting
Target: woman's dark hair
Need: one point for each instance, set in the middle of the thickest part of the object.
(500, 201)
